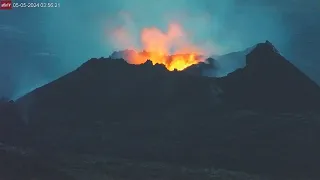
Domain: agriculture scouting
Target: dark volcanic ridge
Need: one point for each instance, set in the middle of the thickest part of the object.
(128, 53)
(267, 81)
(215, 66)
(262, 118)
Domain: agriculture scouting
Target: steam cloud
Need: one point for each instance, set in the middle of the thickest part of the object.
(221, 25)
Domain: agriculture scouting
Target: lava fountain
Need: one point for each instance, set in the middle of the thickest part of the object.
(171, 48)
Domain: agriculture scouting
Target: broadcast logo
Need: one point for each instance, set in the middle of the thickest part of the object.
(5, 4)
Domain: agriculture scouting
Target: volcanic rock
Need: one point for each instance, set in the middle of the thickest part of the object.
(252, 120)
(11, 122)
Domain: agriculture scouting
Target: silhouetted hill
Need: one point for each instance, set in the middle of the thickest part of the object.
(114, 92)
(270, 82)
(146, 112)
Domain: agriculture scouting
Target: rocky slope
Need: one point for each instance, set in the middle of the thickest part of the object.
(262, 118)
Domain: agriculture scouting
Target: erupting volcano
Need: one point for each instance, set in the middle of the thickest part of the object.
(171, 48)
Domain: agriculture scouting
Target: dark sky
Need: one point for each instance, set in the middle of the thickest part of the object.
(38, 45)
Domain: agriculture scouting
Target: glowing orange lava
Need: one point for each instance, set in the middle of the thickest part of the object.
(171, 48)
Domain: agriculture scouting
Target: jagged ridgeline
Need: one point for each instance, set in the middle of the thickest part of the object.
(263, 117)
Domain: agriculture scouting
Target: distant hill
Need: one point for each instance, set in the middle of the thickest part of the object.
(270, 82)
(230, 62)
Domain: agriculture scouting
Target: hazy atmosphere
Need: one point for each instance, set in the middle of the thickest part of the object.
(39, 45)
(166, 89)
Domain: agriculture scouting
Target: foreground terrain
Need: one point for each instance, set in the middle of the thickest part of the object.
(17, 164)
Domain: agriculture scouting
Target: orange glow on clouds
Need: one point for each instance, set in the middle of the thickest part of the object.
(171, 48)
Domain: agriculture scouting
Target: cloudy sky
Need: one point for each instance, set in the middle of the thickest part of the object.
(38, 45)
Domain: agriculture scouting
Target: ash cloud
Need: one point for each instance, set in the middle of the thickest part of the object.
(223, 25)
